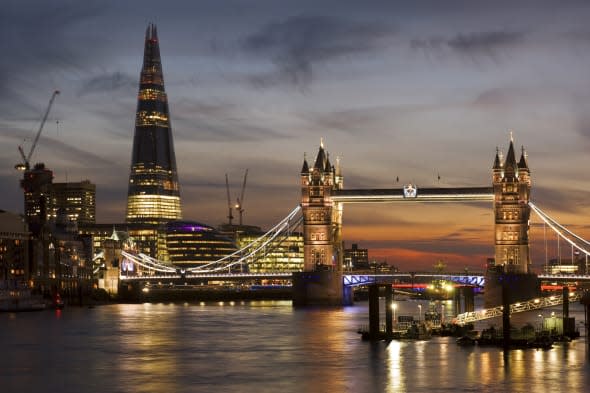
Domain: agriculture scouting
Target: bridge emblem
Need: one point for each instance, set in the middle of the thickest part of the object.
(410, 191)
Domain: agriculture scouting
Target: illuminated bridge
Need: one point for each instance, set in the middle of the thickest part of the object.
(153, 269)
(485, 194)
(319, 217)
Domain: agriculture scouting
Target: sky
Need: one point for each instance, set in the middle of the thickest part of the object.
(396, 89)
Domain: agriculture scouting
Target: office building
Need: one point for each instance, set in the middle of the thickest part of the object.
(153, 194)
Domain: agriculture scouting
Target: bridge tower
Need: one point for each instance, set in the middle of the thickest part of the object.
(320, 283)
(512, 189)
(321, 219)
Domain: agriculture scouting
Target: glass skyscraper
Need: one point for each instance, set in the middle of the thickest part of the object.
(153, 195)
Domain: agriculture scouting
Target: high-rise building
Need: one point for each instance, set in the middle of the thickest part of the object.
(153, 195)
(77, 199)
(36, 185)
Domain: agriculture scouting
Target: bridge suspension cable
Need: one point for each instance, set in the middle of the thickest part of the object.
(250, 253)
(256, 248)
(562, 231)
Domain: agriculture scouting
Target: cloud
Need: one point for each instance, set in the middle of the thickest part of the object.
(107, 83)
(59, 149)
(486, 44)
(296, 45)
(581, 112)
(558, 199)
(220, 121)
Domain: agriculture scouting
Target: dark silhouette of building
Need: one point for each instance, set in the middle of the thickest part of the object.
(153, 196)
(36, 185)
(14, 249)
(356, 258)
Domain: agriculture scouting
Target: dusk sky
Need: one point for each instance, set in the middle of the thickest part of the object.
(396, 89)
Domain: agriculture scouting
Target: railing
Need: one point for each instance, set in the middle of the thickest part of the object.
(529, 305)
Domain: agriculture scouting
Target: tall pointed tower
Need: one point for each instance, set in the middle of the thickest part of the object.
(153, 195)
(320, 282)
(321, 219)
(512, 188)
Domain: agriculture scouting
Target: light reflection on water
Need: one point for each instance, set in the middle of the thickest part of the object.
(260, 347)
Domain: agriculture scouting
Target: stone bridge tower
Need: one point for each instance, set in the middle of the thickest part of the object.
(320, 283)
(512, 188)
(322, 219)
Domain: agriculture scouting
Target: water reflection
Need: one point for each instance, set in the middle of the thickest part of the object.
(395, 380)
(259, 347)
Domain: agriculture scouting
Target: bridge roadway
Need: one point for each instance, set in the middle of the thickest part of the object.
(460, 194)
(349, 279)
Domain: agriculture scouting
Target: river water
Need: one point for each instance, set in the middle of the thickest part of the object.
(264, 346)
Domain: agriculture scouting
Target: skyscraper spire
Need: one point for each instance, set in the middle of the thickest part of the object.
(153, 195)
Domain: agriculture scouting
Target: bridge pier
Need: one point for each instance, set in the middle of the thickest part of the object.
(319, 288)
(464, 300)
(520, 287)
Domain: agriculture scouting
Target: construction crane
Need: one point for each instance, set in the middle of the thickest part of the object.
(25, 165)
(240, 204)
(230, 217)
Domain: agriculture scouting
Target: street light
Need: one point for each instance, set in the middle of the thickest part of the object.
(542, 320)
(394, 307)
(420, 313)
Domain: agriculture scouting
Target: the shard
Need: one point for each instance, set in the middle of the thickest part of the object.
(153, 195)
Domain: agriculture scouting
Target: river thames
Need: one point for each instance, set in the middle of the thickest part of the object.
(263, 346)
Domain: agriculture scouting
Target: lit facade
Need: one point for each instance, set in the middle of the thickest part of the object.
(512, 188)
(77, 199)
(153, 194)
(191, 244)
(287, 256)
(146, 238)
(322, 218)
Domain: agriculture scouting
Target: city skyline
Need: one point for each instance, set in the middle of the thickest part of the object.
(398, 91)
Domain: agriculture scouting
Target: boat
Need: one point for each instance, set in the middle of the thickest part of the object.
(417, 332)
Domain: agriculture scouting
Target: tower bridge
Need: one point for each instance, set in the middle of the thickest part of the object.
(320, 215)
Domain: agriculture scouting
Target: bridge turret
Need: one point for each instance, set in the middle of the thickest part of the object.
(512, 185)
(523, 168)
(305, 167)
(497, 169)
